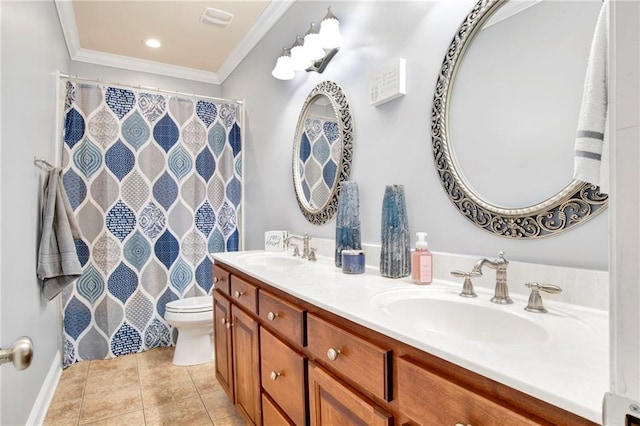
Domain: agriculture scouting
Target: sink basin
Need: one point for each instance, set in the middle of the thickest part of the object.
(271, 260)
(445, 313)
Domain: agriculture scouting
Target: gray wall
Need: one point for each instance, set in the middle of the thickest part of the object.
(392, 141)
(32, 50)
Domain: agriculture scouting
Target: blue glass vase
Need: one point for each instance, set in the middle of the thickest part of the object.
(395, 253)
(347, 221)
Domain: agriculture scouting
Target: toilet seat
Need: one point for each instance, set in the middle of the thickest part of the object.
(191, 305)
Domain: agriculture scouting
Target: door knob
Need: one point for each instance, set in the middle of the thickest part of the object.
(20, 354)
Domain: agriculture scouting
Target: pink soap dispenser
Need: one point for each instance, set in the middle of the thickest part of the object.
(422, 261)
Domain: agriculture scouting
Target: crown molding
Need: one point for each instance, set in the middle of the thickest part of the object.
(273, 12)
(263, 24)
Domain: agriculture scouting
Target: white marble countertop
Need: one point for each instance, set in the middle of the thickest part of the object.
(567, 367)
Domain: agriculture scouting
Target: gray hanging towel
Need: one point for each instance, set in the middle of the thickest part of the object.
(58, 263)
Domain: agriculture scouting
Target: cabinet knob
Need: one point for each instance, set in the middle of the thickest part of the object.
(333, 354)
(224, 320)
(216, 280)
(274, 375)
(272, 316)
(237, 294)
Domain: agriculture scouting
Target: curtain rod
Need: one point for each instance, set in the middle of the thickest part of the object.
(154, 89)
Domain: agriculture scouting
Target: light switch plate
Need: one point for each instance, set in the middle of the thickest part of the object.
(390, 82)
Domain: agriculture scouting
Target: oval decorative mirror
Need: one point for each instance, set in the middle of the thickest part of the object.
(505, 114)
(322, 151)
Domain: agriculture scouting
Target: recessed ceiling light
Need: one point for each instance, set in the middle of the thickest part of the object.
(152, 42)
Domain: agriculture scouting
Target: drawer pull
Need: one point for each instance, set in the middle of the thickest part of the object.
(274, 375)
(272, 316)
(333, 354)
(238, 294)
(462, 424)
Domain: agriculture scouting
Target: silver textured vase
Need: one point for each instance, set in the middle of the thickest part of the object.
(395, 253)
(347, 221)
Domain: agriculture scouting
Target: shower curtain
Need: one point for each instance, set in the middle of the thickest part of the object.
(155, 181)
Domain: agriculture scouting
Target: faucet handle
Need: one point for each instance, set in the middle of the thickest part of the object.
(535, 299)
(312, 254)
(296, 250)
(467, 287)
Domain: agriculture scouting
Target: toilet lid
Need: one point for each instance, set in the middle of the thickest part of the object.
(191, 304)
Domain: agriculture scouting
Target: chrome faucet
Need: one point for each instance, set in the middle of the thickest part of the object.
(305, 243)
(501, 294)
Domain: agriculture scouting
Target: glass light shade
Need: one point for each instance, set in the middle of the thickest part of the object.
(313, 45)
(283, 69)
(330, 31)
(299, 58)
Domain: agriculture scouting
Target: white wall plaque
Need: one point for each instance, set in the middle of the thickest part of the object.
(388, 83)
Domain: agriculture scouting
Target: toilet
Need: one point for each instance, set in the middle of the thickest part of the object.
(193, 317)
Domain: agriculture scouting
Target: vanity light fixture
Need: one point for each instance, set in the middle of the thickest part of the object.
(311, 52)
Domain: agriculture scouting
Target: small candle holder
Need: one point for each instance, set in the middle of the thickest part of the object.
(353, 261)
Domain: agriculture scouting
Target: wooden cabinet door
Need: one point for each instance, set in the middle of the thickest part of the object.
(432, 400)
(283, 376)
(246, 366)
(332, 403)
(222, 339)
(271, 415)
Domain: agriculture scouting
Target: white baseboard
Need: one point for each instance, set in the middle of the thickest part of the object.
(48, 389)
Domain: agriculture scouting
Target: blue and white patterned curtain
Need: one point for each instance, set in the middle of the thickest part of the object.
(155, 182)
(319, 160)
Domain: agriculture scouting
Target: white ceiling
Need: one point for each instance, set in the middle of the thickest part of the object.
(111, 32)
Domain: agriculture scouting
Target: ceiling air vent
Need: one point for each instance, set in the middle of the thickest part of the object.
(216, 17)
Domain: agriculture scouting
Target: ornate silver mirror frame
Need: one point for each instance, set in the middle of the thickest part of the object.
(339, 155)
(573, 205)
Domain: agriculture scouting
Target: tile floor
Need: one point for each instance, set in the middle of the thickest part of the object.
(140, 389)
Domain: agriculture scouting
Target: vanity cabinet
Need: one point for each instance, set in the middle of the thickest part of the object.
(429, 399)
(222, 342)
(283, 376)
(246, 365)
(271, 414)
(333, 403)
(295, 363)
(236, 343)
(362, 362)
(285, 319)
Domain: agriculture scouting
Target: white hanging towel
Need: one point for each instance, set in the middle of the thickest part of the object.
(591, 162)
(58, 263)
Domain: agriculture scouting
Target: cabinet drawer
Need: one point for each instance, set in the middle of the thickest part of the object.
(283, 372)
(271, 416)
(432, 400)
(221, 279)
(364, 363)
(283, 318)
(332, 403)
(244, 294)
